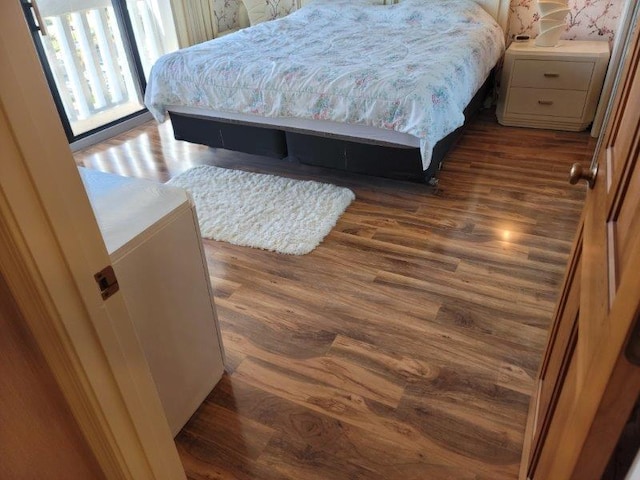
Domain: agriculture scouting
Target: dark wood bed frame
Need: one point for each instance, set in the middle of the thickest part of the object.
(325, 150)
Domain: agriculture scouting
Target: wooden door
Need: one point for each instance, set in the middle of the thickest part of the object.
(587, 385)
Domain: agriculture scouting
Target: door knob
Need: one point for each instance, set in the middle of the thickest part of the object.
(578, 173)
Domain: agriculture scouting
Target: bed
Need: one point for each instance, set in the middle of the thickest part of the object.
(349, 84)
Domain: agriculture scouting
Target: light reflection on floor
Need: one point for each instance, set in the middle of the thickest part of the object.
(151, 152)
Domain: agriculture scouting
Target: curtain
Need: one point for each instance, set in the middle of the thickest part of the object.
(195, 21)
(201, 20)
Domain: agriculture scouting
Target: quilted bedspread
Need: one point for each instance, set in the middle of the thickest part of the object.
(410, 67)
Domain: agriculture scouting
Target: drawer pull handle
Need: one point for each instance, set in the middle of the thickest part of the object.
(545, 102)
(552, 75)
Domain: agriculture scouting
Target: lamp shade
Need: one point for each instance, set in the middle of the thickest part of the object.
(552, 22)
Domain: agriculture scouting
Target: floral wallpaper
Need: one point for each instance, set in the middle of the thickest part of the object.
(587, 19)
(225, 13)
(279, 8)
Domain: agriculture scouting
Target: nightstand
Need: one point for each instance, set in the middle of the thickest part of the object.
(552, 87)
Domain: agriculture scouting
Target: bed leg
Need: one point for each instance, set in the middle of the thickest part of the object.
(433, 181)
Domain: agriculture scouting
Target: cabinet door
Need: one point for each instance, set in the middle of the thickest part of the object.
(171, 305)
(587, 385)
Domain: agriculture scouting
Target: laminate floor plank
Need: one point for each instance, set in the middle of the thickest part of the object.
(331, 372)
(421, 340)
(315, 439)
(383, 360)
(226, 429)
(405, 346)
(375, 418)
(272, 333)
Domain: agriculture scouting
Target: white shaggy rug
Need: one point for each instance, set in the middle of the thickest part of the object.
(263, 211)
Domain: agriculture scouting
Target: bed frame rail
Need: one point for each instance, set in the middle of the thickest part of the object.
(397, 162)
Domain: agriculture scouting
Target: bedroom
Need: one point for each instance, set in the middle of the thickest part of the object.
(472, 233)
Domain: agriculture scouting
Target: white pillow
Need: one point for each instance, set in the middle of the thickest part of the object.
(263, 10)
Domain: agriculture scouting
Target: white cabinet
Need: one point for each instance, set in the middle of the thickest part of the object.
(552, 87)
(153, 239)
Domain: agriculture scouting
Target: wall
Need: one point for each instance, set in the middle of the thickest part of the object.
(587, 20)
(226, 14)
(39, 438)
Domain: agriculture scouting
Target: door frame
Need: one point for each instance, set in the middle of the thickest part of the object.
(593, 422)
(50, 248)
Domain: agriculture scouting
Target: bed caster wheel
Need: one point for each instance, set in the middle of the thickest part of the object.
(433, 181)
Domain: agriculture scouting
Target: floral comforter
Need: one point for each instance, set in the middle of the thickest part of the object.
(410, 67)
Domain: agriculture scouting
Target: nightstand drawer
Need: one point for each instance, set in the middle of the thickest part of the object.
(552, 74)
(550, 102)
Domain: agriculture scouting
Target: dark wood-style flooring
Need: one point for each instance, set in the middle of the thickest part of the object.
(405, 346)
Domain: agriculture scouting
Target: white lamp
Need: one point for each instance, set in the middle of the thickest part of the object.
(552, 22)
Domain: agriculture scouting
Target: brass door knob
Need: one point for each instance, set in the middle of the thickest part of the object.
(578, 173)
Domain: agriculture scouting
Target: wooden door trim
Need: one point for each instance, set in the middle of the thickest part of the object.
(631, 65)
(50, 246)
(592, 408)
(45, 320)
